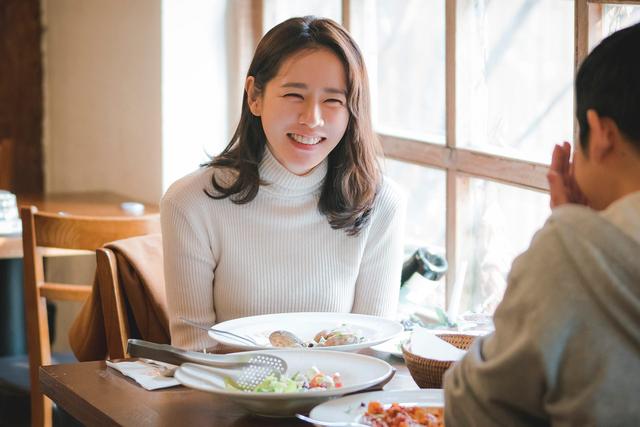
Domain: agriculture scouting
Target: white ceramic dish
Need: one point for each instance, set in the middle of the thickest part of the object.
(351, 408)
(394, 345)
(375, 330)
(358, 372)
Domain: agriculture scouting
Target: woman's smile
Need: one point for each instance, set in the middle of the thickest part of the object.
(306, 140)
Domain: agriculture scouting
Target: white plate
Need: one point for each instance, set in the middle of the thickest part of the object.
(394, 345)
(358, 372)
(306, 325)
(351, 408)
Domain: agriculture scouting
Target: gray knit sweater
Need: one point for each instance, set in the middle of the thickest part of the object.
(566, 350)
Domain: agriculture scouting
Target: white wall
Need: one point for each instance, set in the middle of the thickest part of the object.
(102, 79)
(135, 92)
(110, 69)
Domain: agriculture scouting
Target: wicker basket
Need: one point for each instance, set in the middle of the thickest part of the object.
(427, 373)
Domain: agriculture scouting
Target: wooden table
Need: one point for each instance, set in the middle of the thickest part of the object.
(12, 326)
(93, 204)
(100, 396)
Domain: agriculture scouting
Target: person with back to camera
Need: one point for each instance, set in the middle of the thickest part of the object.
(294, 215)
(566, 346)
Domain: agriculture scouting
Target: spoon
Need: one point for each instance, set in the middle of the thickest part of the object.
(285, 339)
(249, 340)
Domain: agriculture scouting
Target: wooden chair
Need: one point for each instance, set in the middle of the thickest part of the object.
(42, 230)
(131, 286)
(116, 318)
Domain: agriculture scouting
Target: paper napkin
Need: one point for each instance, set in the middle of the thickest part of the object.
(146, 374)
(425, 344)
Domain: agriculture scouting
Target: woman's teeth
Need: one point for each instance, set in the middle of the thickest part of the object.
(307, 140)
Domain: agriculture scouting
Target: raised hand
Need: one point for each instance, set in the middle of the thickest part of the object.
(563, 187)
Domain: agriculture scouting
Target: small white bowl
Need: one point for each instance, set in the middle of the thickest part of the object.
(358, 372)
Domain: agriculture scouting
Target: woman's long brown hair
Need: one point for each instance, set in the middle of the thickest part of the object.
(353, 175)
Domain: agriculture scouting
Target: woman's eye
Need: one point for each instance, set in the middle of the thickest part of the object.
(335, 101)
(293, 95)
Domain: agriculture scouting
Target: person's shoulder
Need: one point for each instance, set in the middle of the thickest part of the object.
(391, 195)
(189, 185)
(550, 252)
(193, 191)
(572, 221)
(570, 213)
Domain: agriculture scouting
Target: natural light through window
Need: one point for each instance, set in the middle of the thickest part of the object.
(469, 98)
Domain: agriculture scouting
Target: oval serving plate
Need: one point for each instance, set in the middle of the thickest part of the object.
(374, 330)
(358, 372)
(352, 408)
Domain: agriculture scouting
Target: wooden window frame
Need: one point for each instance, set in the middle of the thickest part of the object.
(454, 161)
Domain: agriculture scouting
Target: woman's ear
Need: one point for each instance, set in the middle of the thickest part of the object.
(603, 135)
(254, 100)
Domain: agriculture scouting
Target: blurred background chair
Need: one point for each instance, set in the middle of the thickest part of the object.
(48, 230)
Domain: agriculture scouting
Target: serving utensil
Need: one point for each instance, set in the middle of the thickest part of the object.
(245, 371)
(285, 339)
(249, 340)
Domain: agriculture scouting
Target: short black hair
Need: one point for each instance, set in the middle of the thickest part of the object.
(608, 81)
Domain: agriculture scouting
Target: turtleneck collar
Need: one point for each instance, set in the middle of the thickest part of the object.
(282, 182)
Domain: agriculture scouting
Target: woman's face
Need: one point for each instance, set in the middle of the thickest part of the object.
(303, 109)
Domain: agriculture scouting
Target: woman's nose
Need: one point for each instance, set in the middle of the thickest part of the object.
(311, 116)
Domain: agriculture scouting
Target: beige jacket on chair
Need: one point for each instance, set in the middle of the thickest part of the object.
(141, 277)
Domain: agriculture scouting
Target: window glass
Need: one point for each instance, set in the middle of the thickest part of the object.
(514, 75)
(405, 56)
(276, 11)
(495, 223)
(614, 17)
(425, 189)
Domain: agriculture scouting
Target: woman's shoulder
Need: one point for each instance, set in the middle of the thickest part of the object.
(390, 195)
(190, 184)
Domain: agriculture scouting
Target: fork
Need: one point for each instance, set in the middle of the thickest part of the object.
(329, 423)
(219, 331)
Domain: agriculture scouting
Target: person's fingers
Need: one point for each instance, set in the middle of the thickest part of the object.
(557, 159)
(557, 189)
(566, 157)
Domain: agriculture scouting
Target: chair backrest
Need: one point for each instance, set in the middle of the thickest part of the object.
(116, 318)
(133, 302)
(41, 230)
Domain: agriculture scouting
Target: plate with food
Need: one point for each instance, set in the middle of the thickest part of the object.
(312, 330)
(311, 377)
(385, 408)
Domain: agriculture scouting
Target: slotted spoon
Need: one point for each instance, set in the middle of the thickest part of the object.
(245, 370)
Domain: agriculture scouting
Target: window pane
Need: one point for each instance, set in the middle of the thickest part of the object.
(495, 223)
(514, 74)
(276, 11)
(614, 17)
(404, 52)
(425, 227)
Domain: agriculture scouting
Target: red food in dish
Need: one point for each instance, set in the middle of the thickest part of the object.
(398, 415)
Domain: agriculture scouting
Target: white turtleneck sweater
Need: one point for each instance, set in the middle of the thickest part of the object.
(274, 254)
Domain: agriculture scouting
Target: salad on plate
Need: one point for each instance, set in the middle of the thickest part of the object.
(312, 380)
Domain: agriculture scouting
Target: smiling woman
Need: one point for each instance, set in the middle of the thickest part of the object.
(294, 215)
(303, 109)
